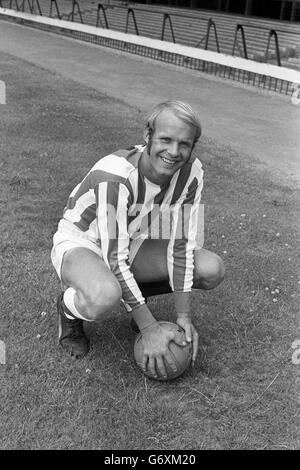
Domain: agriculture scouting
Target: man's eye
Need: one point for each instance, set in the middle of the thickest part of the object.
(165, 139)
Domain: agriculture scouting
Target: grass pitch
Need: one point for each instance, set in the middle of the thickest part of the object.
(243, 391)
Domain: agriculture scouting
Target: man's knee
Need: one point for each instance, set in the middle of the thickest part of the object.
(209, 271)
(100, 300)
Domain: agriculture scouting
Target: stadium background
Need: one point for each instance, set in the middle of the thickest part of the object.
(279, 9)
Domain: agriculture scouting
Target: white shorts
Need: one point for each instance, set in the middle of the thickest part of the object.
(64, 240)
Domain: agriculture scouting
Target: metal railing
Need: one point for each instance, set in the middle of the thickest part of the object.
(240, 28)
(32, 5)
(99, 9)
(11, 4)
(273, 33)
(167, 17)
(57, 9)
(210, 24)
(101, 14)
(130, 11)
(21, 6)
(76, 4)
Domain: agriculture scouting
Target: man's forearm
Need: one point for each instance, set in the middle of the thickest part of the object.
(142, 316)
(182, 301)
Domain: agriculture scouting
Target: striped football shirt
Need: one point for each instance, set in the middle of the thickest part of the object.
(115, 204)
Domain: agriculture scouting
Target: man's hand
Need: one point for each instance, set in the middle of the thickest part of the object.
(155, 342)
(191, 335)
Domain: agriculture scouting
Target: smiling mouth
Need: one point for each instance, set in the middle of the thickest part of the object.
(168, 162)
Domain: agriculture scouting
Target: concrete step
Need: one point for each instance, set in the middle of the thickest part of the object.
(290, 65)
(294, 60)
(186, 22)
(232, 18)
(184, 34)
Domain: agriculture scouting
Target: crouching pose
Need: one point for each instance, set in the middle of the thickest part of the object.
(129, 231)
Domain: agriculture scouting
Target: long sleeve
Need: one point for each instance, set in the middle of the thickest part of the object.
(184, 224)
(112, 203)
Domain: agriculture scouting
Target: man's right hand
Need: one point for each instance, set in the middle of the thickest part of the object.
(155, 341)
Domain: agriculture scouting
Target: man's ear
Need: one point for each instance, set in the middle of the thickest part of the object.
(146, 135)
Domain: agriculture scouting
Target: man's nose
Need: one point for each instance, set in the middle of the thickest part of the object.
(173, 149)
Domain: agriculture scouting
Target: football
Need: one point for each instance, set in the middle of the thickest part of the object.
(182, 354)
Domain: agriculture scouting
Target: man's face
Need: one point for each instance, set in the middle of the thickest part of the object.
(169, 147)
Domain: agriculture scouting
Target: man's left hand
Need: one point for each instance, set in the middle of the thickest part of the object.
(191, 333)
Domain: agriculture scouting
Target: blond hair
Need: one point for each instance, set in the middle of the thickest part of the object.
(182, 110)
